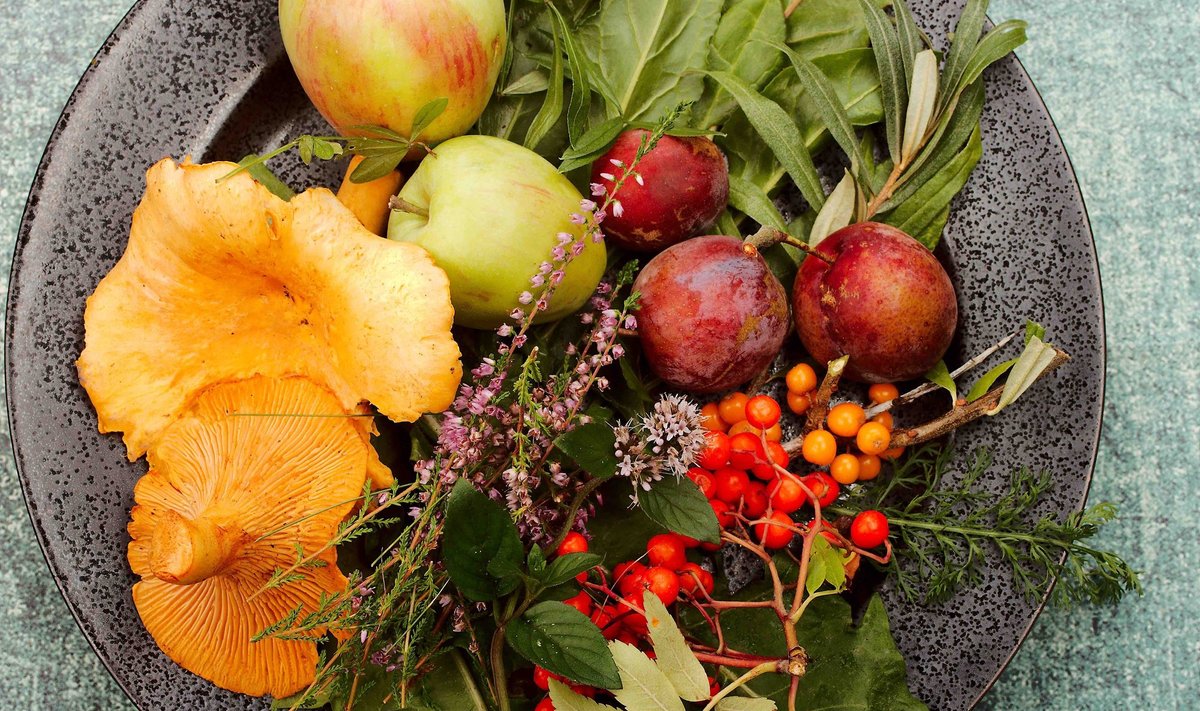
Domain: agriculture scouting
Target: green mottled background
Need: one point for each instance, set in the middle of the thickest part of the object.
(1120, 78)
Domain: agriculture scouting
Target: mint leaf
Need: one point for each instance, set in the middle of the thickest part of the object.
(591, 447)
(566, 567)
(480, 545)
(678, 504)
(561, 639)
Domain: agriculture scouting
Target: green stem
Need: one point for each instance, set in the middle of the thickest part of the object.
(587, 490)
(498, 673)
(764, 668)
(469, 681)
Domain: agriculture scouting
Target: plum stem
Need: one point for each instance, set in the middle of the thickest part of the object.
(769, 236)
(399, 204)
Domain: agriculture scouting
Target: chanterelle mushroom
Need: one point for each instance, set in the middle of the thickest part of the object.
(211, 525)
(222, 280)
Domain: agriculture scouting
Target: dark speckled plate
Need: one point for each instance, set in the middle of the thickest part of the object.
(210, 80)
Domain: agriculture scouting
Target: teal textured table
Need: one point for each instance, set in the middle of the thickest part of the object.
(1120, 78)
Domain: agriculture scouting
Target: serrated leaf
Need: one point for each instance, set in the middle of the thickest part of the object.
(984, 384)
(426, 115)
(646, 51)
(894, 88)
(566, 567)
(566, 700)
(745, 703)
(1030, 365)
(922, 99)
(674, 657)
(552, 105)
(643, 686)
(838, 210)
(751, 200)
(780, 133)
(591, 446)
(678, 504)
(561, 639)
(478, 535)
(940, 375)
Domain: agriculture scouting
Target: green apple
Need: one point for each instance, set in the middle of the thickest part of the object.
(491, 212)
(377, 62)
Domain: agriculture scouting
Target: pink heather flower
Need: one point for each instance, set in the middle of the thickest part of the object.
(578, 219)
(618, 351)
(577, 249)
(504, 331)
(617, 162)
(617, 208)
(363, 636)
(598, 189)
(557, 277)
(543, 304)
(537, 280)
(631, 322)
(525, 297)
(559, 253)
(587, 205)
(638, 178)
(597, 237)
(608, 176)
(516, 314)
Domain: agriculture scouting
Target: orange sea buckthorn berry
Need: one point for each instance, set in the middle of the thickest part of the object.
(744, 426)
(845, 469)
(733, 408)
(892, 453)
(774, 433)
(801, 379)
(845, 419)
(819, 448)
(885, 419)
(798, 403)
(762, 411)
(710, 418)
(883, 392)
(873, 438)
(868, 467)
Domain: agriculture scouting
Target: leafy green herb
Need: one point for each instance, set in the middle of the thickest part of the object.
(552, 105)
(678, 504)
(737, 48)
(940, 375)
(480, 545)
(591, 447)
(563, 640)
(754, 202)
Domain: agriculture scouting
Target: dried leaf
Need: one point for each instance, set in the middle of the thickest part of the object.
(1032, 362)
(838, 210)
(922, 99)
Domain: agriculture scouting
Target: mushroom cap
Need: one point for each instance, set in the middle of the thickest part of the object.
(211, 525)
(221, 280)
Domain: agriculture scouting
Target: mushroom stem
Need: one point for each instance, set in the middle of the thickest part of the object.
(185, 551)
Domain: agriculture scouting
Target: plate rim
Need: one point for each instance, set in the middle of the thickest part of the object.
(30, 210)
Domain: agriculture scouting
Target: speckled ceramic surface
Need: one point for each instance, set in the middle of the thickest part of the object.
(209, 80)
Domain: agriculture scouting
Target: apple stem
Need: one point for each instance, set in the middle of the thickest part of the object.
(399, 204)
(769, 236)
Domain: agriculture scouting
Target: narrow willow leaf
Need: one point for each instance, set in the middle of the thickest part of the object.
(995, 46)
(567, 700)
(563, 640)
(824, 98)
(892, 84)
(426, 115)
(726, 224)
(643, 686)
(838, 211)
(581, 89)
(531, 82)
(926, 207)
(592, 144)
(953, 133)
(746, 703)
(677, 504)
(922, 99)
(984, 384)
(754, 202)
(966, 37)
(671, 652)
(260, 172)
(552, 106)
(780, 133)
(738, 47)
(909, 36)
(940, 375)
(1032, 362)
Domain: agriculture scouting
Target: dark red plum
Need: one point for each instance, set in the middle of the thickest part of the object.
(711, 314)
(885, 301)
(684, 187)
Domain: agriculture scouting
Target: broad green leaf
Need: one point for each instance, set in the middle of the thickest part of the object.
(552, 106)
(737, 48)
(821, 27)
(826, 565)
(563, 640)
(780, 133)
(647, 51)
(531, 82)
(746, 703)
(923, 215)
(566, 700)
(984, 384)
(618, 531)
(260, 172)
(816, 574)
(426, 115)
(966, 37)
(824, 99)
(643, 686)
(892, 84)
(479, 534)
(751, 200)
(837, 213)
(922, 98)
(591, 447)
(940, 375)
(566, 567)
(674, 657)
(678, 504)
(852, 666)
(1030, 365)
